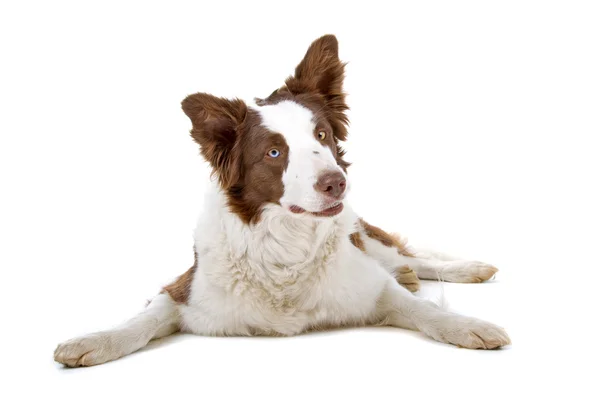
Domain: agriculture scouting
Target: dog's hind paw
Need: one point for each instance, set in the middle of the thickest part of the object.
(407, 278)
(468, 272)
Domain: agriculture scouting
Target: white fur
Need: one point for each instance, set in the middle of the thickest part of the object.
(307, 158)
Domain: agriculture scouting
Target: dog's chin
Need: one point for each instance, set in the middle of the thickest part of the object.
(330, 211)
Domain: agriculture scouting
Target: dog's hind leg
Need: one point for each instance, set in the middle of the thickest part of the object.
(460, 271)
(397, 307)
(388, 250)
(432, 254)
(406, 263)
(159, 319)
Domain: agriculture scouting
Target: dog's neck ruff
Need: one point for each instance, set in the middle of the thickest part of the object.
(278, 241)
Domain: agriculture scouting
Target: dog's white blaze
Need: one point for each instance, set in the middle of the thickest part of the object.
(307, 157)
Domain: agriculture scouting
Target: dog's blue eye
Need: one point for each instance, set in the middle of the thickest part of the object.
(274, 153)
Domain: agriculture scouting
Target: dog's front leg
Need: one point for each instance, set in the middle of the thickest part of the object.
(397, 307)
(159, 319)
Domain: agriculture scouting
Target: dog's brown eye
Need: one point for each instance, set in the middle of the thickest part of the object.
(322, 135)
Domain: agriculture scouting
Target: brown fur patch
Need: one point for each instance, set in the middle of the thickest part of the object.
(407, 278)
(357, 241)
(234, 142)
(261, 177)
(215, 127)
(386, 239)
(180, 289)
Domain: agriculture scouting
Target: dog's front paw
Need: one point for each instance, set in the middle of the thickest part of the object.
(468, 272)
(88, 350)
(469, 332)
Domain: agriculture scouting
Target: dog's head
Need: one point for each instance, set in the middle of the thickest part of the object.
(284, 149)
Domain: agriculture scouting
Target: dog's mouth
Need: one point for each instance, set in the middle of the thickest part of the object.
(335, 209)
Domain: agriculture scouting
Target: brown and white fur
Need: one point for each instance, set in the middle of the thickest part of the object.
(278, 249)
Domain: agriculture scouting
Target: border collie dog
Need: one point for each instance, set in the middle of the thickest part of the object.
(278, 250)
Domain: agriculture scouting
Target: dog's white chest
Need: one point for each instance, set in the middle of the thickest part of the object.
(282, 277)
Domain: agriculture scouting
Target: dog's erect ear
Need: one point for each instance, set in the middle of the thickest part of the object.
(321, 68)
(321, 71)
(215, 125)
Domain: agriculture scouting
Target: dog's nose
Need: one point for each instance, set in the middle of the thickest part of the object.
(331, 183)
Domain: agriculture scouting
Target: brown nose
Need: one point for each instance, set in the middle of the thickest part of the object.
(331, 183)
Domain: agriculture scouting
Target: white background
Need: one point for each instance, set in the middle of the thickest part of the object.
(474, 131)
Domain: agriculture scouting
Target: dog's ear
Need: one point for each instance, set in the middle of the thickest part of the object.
(322, 72)
(321, 68)
(215, 126)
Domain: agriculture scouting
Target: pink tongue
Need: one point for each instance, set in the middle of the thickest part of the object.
(297, 210)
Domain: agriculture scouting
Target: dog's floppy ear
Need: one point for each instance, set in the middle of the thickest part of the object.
(321, 71)
(215, 125)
